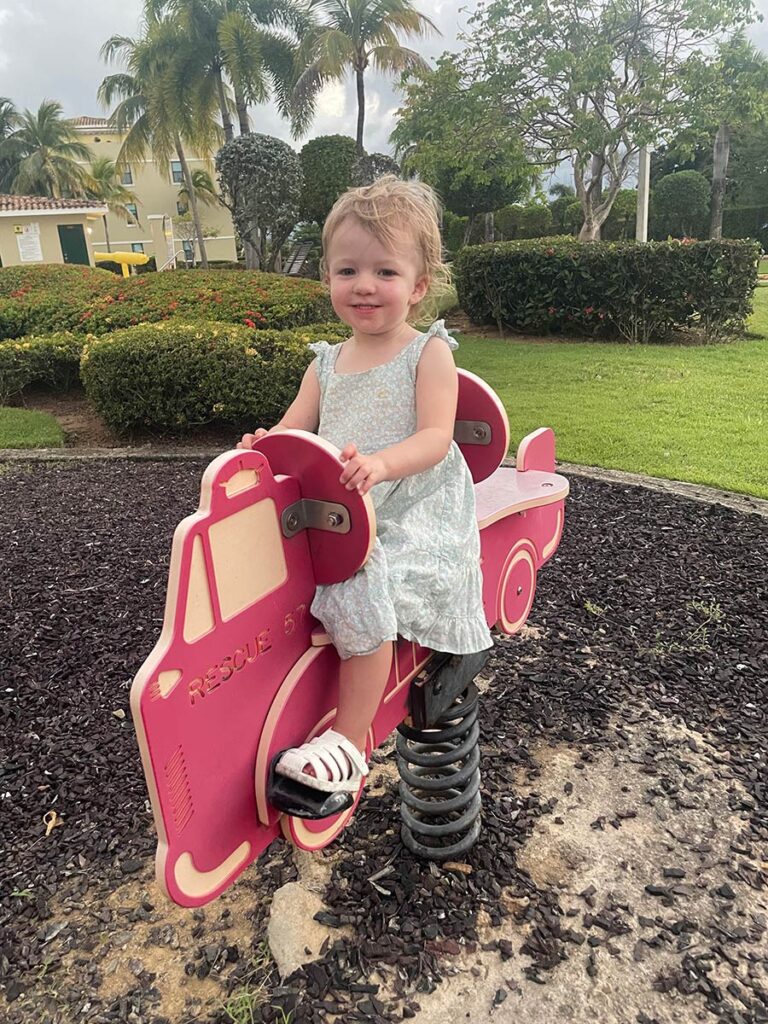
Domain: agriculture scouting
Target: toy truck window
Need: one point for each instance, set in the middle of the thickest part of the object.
(248, 558)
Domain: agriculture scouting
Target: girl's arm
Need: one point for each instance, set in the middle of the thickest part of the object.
(302, 414)
(437, 392)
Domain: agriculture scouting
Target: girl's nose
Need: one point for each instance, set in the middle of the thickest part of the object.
(364, 284)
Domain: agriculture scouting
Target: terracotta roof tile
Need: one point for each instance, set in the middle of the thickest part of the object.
(92, 122)
(12, 204)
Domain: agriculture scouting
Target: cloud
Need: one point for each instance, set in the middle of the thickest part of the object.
(49, 49)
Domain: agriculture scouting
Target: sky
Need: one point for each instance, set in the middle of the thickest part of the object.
(49, 49)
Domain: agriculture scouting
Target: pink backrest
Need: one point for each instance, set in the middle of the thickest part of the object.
(482, 427)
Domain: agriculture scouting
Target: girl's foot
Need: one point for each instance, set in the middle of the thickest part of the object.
(329, 762)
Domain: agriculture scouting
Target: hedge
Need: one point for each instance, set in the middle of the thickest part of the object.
(96, 302)
(175, 376)
(50, 361)
(641, 292)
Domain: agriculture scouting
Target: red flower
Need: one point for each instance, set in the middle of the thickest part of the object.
(551, 310)
(589, 309)
(249, 323)
(550, 252)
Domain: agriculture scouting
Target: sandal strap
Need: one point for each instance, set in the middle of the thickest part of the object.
(340, 741)
(331, 756)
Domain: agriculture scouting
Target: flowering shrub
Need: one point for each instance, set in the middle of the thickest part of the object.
(42, 299)
(638, 291)
(175, 376)
(51, 360)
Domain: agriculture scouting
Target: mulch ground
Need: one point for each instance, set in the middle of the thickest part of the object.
(651, 602)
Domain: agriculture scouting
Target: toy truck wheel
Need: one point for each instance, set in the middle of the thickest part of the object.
(517, 586)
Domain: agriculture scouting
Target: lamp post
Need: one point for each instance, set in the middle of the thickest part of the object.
(643, 191)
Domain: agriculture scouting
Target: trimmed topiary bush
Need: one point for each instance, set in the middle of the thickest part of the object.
(51, 361)
(175, 376)
(641, 292)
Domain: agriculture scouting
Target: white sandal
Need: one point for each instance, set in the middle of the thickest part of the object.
(338, 764)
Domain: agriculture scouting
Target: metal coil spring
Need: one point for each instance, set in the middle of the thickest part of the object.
(440, 782)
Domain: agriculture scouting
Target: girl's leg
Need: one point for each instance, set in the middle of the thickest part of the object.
(362, 680)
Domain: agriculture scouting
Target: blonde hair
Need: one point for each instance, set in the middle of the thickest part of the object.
(388, 208)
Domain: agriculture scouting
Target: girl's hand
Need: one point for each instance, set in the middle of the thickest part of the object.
(249, 440)
(361, 472)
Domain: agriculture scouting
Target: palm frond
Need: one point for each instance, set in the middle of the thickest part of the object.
(397, 58)
(242, 50)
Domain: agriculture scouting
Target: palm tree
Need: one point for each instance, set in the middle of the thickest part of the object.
(203, 187)
(242, 41)
(358, 33)
(103, 183)
(9, 120)
(49, 156)
(152, 116)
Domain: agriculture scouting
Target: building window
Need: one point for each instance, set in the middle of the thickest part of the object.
(133, 214)
(177, 175)
(137, 247)
(126, 178)
(182, 209)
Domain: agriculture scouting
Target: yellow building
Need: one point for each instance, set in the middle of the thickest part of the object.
(35, 229)
(154, 227)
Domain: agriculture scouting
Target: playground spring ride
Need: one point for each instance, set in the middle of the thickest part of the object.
(241, 670)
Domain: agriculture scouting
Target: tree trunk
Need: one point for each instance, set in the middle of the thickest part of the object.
(242, 113)
(468, 229)
(360, 107)
(251, 254)
(489, 229)
(106, 234)
(720, 155)
(226, 119)
(192, 202)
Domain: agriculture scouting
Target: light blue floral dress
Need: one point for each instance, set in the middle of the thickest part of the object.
(422, 579)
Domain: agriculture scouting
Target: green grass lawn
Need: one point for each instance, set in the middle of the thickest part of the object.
(22, 428)
(685, 413)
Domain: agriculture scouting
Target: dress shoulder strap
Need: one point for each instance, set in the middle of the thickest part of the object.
(436, 330)
(326, 357)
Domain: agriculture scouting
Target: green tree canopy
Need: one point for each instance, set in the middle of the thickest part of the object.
(250, 44)
(593, 82)
(620, 222)
(326, 163)
(370, 166)
(260, 179)
(454, 138)
(47, 156)
(9, 120)
(524, 220)
(680, 203)
(729, 92)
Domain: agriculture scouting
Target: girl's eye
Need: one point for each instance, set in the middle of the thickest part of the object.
(389, 273)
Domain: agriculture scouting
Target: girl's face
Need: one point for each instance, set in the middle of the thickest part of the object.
(373, 287)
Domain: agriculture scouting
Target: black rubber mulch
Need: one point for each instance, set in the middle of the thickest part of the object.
(668, 595)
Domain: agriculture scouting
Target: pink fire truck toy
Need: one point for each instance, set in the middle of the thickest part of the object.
(241, 670)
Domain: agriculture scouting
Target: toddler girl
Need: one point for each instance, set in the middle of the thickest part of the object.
(387, 399)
